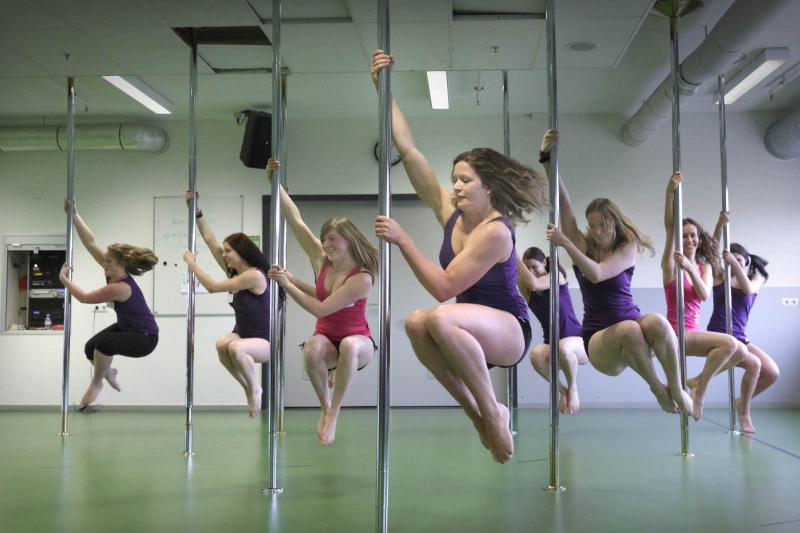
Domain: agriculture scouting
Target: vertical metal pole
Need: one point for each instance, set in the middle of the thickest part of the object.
(385, 302)
(188, 433)
(511, 378)
(726, 242)
(275, 231)
(282, 261)
(68, 260)
(678, 220)
(552, 90)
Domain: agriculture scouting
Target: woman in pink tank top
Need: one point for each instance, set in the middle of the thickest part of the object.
(345, 264)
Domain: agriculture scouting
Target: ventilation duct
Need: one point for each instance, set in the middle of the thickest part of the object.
(782, 139)
(128, 137)
(729, 39)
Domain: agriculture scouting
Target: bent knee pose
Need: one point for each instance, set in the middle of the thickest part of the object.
(135, 334)
(246, 267)
(534, 283)
(488, 323)
(615, 333)
(749, 274)
(345, 265)
(698, 261)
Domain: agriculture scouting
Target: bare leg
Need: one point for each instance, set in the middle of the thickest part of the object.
(225, 357)
(540, 360)
(571, 354)
(111, 377)
(245, 353)
(317, 352)
(102, 363)
(721, 352)
(769, 369)
(661, 338)
(752, 368)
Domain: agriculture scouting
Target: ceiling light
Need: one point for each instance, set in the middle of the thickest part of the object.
(437, 85)
(141, 92)
(753, 73)
(581, 46)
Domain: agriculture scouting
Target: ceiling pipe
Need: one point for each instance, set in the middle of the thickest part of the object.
(127, 137)
(729, 39)
(782, 138)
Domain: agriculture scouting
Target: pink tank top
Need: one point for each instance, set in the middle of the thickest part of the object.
(691, 304)
(351, 320)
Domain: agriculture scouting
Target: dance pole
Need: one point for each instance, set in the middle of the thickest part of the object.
(552, 105)
(274, 239)
(385, 300)
(511, 380)
(68, 260)
(282, 261)
(190, 292)
(726, 242)
(677, 211)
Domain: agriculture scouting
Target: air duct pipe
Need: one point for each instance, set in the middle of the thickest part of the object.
(729, 39)
(128, 137)
(782, 138)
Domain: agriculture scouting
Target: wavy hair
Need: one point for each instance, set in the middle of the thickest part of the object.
(708, 249)
(752, 262)
(624, 230)
(247, 250)
(136, 259)
(516, 189)
(361, 249)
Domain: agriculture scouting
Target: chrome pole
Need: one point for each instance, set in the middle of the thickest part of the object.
(553, 177)
(190, 292)
(678, 220)
(726, 242)
(511, 378)
(68, 260)
(275, 243)
(385, 301)
(282, 261)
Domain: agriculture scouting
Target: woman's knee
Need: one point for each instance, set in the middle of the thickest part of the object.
(540, 356)
(416, 323)
(656, 327)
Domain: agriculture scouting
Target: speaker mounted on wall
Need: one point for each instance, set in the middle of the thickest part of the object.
(257, 142)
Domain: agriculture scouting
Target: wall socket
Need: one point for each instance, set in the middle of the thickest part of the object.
(101, 308)
(790, 302)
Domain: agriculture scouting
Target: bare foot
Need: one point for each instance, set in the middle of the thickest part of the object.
(331, 378)
(482, 433)
(563, 400)
(111, 377)
(328, 432)
(683, 401)
(744, 418)
(91, 393)
(692, 382)
(573, 401)
(254, 401)
(501, 443)
(665, 400)
(698, 394)
(320, 424)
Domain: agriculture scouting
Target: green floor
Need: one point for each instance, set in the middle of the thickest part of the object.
(124, 471)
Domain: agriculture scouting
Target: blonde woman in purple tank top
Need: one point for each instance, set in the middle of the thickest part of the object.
(698, 260)
(616, 335)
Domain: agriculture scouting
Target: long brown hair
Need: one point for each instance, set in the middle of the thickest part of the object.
(625, 231)
(247, 250)
(136, 259)
(363, 251)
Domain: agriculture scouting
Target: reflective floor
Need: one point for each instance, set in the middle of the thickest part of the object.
(125, 471)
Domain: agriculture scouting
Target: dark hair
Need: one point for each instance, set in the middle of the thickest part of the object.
(538, 255)
(707, 251)
(753, 263)
(516, 189)
(135, 259)
(248, 251)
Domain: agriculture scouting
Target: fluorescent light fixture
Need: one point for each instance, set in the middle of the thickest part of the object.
(141, 92)
(437, 85)
(753, 73)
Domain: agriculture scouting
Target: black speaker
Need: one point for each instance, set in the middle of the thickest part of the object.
(257, 142)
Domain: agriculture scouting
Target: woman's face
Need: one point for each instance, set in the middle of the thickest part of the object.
(599, 229)
(691, 239)
(536, 267)
(231, 257)
(468, 188)
(335, 246)
(112, 267)
(740, 259)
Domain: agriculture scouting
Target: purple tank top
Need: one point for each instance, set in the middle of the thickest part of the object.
(568, 325)
(252, 313)
(741, 304)
(133, 314)
(608, 302)
(498, 287)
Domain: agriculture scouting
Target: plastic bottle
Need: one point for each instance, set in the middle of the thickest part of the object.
(48, 323)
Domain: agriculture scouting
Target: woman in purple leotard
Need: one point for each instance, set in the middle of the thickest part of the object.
(749, 274)
(488, 323)
(615, 333)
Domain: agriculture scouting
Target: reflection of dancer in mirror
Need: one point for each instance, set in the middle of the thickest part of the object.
(615, 333)
(135, 334)
(533, 280)
(488, 323)
(345, 265)
(698, 261)
(749, 273)
(247, 282)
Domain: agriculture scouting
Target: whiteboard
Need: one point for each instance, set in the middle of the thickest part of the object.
(171, 239)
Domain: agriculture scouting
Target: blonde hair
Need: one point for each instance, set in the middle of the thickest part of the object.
(625, 231)
(363, 251)
(135, 259)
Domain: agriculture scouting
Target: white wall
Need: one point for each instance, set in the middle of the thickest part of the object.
(115, 192)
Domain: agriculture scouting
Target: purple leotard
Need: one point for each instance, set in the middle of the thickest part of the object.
(608, 302)
(252, 313)
(741, 304)
(568, 325)
(133, 314)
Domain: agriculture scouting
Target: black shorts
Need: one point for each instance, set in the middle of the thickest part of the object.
(587, 336)
(336, 345)
(114, 341)
(527, 335)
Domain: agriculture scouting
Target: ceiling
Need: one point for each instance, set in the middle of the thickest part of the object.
(326, 47)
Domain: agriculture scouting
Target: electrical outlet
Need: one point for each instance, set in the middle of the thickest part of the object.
(789, 302)
(101, 308)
